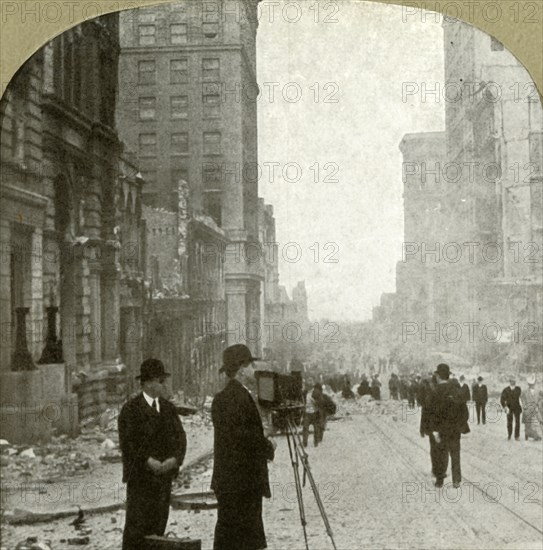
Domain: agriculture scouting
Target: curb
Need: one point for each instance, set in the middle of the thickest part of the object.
(28, 517)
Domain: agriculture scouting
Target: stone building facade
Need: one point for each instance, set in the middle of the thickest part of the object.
(471, 277)
(185, 72)
(185, 320)
(71, 227)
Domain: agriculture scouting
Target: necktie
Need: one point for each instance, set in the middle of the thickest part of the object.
(155, 406)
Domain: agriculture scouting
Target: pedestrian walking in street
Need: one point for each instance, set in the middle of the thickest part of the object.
(393, 386)
(376, 387)
(480, 397)
(447, 419)
(510, 401)
(464, 389)
(327, 406)
(364, 387)
(346, 391)
(428, 386)
(312, 416)
(241, 451)
(404, 387)
(153, 445)
(532, 416)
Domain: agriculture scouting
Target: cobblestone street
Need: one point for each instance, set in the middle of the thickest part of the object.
(373, 471)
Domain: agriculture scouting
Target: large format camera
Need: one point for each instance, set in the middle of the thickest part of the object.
(281, 395)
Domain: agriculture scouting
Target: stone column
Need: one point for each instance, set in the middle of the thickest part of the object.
(236, 312)
(52, 352)
(21, 359)
(110, 309)
(5, 294)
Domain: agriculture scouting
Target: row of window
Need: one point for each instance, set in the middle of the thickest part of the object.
(211, 177)
(178, 33)
(176, 174)
(179, 106)
(179, 71)
(179, 143)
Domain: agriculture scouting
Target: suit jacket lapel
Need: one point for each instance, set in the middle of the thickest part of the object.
(144, 406)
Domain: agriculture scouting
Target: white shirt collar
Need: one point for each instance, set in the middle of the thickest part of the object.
(150, 400)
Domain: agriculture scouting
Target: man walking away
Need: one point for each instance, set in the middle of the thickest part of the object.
(510, 401)
(480, 396)
(153, 445)
(447, 420)
(464, 389)
(241, 452)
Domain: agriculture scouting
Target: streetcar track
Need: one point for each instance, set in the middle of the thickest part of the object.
(503, 505)
(420, 476)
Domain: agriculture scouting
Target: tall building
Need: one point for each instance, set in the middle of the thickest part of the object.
(425, 191)
(71, 230)
(472, 280)
(187, 79)
(494, 126)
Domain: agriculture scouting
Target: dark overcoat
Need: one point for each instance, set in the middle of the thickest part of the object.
(145, 433)
(240, 469)
(480, 393)
(511, 398)
(241, 450)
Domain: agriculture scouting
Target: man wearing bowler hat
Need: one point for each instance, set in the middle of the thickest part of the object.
(153, 445)
(241, 452)
(480, 396)
(510, 401)
(447, 419)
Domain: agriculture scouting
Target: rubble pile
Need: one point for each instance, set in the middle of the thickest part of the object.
(367, 405)
(33, 543)
(48, 463)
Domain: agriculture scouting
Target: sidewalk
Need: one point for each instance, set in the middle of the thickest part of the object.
(84, 472)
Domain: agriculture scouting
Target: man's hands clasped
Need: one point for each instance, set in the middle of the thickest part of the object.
(160, 468)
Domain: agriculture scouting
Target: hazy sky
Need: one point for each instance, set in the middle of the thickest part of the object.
(361, 61)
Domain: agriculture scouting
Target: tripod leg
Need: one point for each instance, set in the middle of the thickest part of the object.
(299, 495)
(307, 470)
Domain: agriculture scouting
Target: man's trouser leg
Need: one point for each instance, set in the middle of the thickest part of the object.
(483, 411)
(319, 428)
(239, 522)
(509, 424)
(147, 510)
(517, 424)
(440, 458)
(478, 411)
(305, 429)
(453, 443)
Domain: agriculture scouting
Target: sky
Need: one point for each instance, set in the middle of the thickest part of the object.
(337, 115)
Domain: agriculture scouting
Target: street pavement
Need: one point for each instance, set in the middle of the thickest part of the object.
(373, 474)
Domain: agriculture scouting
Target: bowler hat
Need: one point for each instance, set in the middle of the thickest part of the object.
(234, 357)
(152, 368)
(443, 371)
(480, 378)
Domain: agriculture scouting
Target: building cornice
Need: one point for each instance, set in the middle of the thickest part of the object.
(13, 193)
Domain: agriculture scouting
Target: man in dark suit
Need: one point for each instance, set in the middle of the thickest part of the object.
(241, 452)
(464, 389)
(447, 419)
(480, 396)
(153, 445)
(510, 401)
